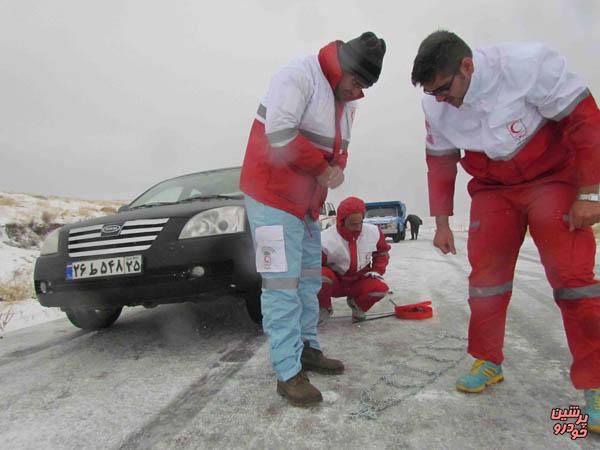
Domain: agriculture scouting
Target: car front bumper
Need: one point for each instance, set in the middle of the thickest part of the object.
(227, 262)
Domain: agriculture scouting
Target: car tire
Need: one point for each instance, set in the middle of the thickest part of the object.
(253, 306)
(396, 237)
(93, 319)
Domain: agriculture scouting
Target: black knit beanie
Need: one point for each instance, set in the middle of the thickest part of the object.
(362, 57)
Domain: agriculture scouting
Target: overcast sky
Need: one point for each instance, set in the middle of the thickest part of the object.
(101, 99)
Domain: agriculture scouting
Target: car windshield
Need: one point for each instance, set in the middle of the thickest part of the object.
(381, 212)
(215, 183)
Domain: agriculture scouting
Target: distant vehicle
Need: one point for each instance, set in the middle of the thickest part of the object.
(389, 216)
(184, 239)
(327, 215)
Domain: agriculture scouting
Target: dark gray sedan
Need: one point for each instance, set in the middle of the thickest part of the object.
(184, 239)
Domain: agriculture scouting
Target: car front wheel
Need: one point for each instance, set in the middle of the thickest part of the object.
(91, 318)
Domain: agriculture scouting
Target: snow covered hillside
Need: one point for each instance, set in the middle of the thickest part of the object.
(24, 221)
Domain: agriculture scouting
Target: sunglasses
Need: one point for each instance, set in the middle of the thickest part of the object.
(443, 89)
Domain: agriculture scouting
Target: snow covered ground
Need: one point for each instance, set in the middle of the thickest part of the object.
(197, 376)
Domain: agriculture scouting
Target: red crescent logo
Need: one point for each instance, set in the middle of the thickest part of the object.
(515, 128)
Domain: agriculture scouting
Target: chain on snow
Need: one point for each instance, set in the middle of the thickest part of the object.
(407, 380)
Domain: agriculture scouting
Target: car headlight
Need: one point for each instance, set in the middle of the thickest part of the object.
(50, 244)
(225, 220)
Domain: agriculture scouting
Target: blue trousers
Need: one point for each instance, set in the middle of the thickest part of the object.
(289, 302)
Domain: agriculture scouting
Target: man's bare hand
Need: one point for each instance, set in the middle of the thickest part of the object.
(336, 178)
(444, 238)
(584, 214)
(331, 177)
(325, 176)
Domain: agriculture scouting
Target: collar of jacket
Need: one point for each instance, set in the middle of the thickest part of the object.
(330, 65)
(481, 84)
(350, 236)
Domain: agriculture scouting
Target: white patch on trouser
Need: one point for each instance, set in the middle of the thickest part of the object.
(270, 249)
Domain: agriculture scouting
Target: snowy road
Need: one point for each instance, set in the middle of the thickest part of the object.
(197, 376)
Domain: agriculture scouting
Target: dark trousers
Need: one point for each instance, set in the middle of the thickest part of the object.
(414, 232)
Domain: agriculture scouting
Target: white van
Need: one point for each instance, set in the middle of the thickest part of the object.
(327, 215)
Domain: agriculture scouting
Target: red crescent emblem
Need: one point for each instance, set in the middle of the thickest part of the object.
(515, 128)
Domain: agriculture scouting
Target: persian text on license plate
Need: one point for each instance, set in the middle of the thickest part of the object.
(106, 267)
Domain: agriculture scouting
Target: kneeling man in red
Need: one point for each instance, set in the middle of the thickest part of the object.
(355, 256)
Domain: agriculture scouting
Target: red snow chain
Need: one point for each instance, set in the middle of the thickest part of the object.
(416, 311)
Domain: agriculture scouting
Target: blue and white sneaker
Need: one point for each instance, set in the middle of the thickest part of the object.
(482, 374)
(592, 409)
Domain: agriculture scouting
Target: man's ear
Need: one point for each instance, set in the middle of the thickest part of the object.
(466, 66)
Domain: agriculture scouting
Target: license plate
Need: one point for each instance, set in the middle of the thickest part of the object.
(106, 267)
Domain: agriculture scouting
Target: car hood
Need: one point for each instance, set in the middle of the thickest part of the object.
(181, 210)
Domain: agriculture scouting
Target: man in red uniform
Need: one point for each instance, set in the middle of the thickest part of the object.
(530, 132)
(355, 255)
(297, 150)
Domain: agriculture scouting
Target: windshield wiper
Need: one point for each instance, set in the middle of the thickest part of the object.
(150, 205)
(211, 196)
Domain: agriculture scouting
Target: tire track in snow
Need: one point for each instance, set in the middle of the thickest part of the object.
(167, 423)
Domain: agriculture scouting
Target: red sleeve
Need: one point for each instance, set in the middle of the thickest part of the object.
(302, 155)
(441, 178)
(581, 132)
(381, 257)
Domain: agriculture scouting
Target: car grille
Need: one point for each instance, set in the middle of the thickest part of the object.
(106, 239)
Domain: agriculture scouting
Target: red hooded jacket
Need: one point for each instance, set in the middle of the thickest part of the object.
(296, 118)
(357, 244)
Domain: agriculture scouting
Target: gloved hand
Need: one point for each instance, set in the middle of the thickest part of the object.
(374, 275)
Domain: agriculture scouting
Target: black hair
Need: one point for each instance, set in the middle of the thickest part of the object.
(440, 53)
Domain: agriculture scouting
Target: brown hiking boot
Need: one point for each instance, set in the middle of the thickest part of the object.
(298, 390)
(313, 359)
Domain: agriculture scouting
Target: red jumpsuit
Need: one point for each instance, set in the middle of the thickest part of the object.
(530, 131)
(348, 257)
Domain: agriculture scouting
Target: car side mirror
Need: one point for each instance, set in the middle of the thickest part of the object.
(123, 208)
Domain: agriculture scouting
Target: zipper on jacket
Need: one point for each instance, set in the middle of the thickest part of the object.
(337, 143)
(352, 268)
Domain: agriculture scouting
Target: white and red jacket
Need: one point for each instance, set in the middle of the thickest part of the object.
(351, 255)
(299, 129)
(525, 119)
